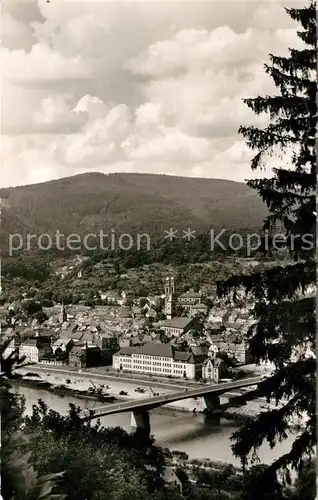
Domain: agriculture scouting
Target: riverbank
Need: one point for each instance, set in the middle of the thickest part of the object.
(94, 390)
(191, 433)
(86, 383)
(62, 390)
(99, 394)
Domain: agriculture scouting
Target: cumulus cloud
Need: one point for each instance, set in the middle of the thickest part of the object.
(221, 47)
(133, 86)
(42, 63)
(14, 34)
(55, 114)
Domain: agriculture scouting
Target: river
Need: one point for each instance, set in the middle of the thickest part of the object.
(183, 431)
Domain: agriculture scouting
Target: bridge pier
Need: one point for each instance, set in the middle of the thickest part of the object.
(212, 402)
(140, 421)
(213, 407)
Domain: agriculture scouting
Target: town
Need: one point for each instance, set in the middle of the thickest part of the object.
(191, 335)
(158, 256)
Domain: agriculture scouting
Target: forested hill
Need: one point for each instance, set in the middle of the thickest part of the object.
(129, 202)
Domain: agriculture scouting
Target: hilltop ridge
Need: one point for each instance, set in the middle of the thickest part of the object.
(130, 202)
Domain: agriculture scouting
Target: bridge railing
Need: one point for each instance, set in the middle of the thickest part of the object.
(176, 396)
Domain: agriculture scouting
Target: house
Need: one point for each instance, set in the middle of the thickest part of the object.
(215, 320)
(35, 349)
(159, 359)
(178, 326)
(190, 298)
(62, 344)
(237, 350)
(108, 346)
(136, 312)
(27, 333)
(126, 296)
(155, 300)
(213, 369)
(124, 343)
(76, 358)
(135, 341)
(146, 338)
(171, 477)
(110, 297)
(198, 308)
(213, 349)
(110, 342)
(84, 356)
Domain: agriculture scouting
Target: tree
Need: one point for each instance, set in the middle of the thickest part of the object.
(208, 302)
(142, 302)
(305, 484)
(284, 327)
(99, 463)
(116, 267)
(41, 316)
(19, 479)
(32, 307)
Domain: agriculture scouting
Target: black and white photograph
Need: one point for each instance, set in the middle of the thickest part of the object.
(158, 249)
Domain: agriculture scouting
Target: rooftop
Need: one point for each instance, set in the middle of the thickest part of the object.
(37, 342)
(29, 342)
(61, 341)
(176, 322)
(216, 362)
(190, 293)
(160, 350)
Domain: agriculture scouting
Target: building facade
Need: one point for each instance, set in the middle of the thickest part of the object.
(236, 350)
(159, 359)
(63, 344)
(213, 369)
(198, 309)
(189, 299)
(83, 355)
(35, 349)
(178, 326)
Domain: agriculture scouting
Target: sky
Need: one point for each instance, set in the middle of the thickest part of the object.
(151, 87)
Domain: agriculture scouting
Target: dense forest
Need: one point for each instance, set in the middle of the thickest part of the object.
(128, 203)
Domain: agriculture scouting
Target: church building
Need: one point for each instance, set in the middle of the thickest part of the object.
(170, 298)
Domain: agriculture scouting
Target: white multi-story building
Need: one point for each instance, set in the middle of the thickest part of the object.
(30, 350)
(159, 359)
(34, 349)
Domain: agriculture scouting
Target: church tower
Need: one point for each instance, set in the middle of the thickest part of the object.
(170, 301)
(62, 315)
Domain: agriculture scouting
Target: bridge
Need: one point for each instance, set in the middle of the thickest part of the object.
(140, 408)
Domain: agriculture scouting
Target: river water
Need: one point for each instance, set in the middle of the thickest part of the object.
(183, 431)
